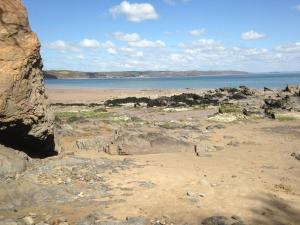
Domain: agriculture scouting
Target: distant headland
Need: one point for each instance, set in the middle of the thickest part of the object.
(68, 74)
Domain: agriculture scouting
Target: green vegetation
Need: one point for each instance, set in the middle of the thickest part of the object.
(227, 117)
(84, 114)
(285, 117)
(230, 108)
(170, 125)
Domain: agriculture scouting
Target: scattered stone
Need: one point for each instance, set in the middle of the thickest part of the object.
(234, 143)
(296, 155)
(12, 162)
(222, 220)
(267, 89)
(194, 196)
(216, 126)
(28, 220)
(215, 220)
(137, 220)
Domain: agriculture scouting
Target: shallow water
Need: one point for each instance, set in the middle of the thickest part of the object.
(252, 80)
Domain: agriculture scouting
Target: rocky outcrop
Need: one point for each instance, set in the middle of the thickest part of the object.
(24, 118)
(211, 97)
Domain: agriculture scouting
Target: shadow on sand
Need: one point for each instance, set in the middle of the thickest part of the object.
(275, 211)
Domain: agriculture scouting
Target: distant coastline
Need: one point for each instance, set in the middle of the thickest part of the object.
(68, 74)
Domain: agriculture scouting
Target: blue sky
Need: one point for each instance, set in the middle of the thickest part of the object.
(113, 35)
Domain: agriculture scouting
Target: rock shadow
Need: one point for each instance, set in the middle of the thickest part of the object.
(274, 211)
(17, 137)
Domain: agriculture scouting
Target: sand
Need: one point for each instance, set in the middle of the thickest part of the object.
(251, 174)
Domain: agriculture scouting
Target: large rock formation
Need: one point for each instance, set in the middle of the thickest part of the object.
(24, 121)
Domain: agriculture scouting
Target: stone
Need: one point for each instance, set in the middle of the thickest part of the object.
(215, 220)
(28, 220)
(25, 121)
(8, 222)
(139, 220)
(267, 89)
(216, 126)
(11, 162)
(296, 155)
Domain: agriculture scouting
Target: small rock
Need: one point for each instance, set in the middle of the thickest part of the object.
(234, 143)
(235, 217)
(215, 220)
(137, 220)
(62, 219)
(33, 215)
(28, 220)
(296, 155)
(8, 222)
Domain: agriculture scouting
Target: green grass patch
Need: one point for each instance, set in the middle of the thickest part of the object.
(230, 109)
(84, 114)
(282, 117)
(169, 125)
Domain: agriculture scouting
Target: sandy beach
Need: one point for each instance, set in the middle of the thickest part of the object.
(161, 165)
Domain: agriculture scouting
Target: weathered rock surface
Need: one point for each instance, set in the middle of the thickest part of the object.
(188, 99)
(24, 121)
(11, 162)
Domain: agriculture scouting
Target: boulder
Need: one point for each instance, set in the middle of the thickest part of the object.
(25, 123)
(11, 162)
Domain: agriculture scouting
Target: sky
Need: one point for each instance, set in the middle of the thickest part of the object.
(118, 35)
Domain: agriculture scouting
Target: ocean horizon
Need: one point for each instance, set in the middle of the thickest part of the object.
(259, 80)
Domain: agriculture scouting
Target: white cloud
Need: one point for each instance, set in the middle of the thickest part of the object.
(135, 12)
(107, 44)
(134, 40)
(147, 44)
(127, 37)
(89, 43)
(252, 35)
(132, 52)
(202, 45)
(92, 43)
(289, 48)
(197, 32)
(80, 56)
(62, 46)
(112, 51)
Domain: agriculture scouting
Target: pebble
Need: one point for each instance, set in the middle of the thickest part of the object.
(81, 195)
(28, 220)
(63, 223)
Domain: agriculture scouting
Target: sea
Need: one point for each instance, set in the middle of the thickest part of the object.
(270, 80)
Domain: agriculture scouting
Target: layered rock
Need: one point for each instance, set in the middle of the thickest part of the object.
(24, 118)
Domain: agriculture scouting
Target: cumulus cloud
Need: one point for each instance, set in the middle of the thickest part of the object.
(132, 52)
(135, 12)
(197, 32)
(86, 43)
(133, 37)
(147, 44)
(89, 43)
(134, 40)
(62, 46)
(289, 48)
(252, 35)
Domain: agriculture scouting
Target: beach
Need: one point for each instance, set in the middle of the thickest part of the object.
(172, 164)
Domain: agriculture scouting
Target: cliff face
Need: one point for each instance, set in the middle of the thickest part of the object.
(24, 118)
